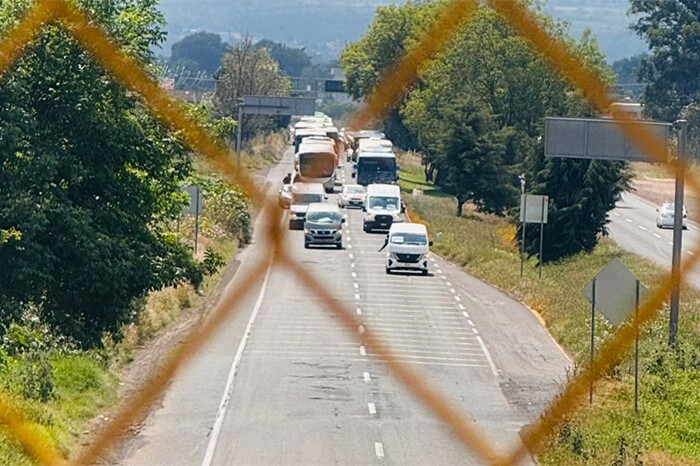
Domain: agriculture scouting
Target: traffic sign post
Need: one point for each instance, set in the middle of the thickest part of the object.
(615, 292)
(606, 139)
(533, 209)
(270, 105)
(195, 208)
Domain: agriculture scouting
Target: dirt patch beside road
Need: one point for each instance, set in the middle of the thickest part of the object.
(660, 190)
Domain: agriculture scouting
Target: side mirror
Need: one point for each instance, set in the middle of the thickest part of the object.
(364, 209)
(353, 174)
(342, 221)
(403, 209)
(430, 243)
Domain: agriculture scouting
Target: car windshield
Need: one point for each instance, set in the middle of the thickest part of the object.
(323, 217)
(384, 203)
(307, 198)
(412, 239)
(354, 190)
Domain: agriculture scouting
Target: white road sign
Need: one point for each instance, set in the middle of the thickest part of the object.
(615, 292)
(196, 200)
(533, 208)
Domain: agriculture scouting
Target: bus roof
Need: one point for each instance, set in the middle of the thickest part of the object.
(376, 155)
(307, 188)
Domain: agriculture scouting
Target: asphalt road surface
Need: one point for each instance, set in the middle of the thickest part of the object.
(283, 383)
(633, 227)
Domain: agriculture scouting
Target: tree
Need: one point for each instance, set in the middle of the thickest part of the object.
(248, 71)
(470, 160)
(292, 61)
(201, 51)
(477, 113)
(672, 31)
(89, 177)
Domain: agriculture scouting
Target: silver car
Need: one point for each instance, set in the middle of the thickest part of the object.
(666, 216)
(323, 225)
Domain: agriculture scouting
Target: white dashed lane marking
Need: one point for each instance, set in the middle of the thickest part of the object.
(657, 235)
(367, 377)
(363, 351)
(379, 449)
(372, 409)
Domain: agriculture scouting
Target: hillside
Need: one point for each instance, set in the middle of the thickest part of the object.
(324, 27)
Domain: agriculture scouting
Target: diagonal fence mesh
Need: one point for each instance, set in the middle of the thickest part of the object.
(387, 94)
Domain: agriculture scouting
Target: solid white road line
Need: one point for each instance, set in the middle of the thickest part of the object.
(372, 409)
(488, 356)
(223, 405)
(379, 450)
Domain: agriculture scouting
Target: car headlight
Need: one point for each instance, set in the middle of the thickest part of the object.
(307, 231)
(370, 216)
(397, 216)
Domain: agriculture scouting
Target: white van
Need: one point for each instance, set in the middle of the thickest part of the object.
(407, 248)
(303, 194)
(382, 207)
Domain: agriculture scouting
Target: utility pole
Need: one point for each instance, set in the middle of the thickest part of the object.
(681, 127)
(523, 183)
(239, 136)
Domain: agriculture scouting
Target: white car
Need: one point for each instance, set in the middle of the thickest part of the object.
(303, 194)
(407, 248)
(666, 216)
(352, 195)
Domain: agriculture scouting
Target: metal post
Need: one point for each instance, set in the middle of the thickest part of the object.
(636, 352)
(196, 221)
(522, 242)
(681, 125)
(590, 393)
(541, 234)
(239, 137)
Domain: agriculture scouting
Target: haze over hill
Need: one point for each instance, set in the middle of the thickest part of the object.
(325, 26)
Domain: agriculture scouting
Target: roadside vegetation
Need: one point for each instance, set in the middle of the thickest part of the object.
(96, 254)
(476, 113)
(608, 432)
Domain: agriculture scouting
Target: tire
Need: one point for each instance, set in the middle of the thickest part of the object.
(364, 228)
(306, 245)
(339, 246)
(388, 271)
(424, 272)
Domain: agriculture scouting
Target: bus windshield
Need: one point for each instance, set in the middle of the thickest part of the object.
(316, 165)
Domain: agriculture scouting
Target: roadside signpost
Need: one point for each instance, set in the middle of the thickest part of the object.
(194, 208)
(606, 139)
(270, 105)
(616, 293)
(533, 209)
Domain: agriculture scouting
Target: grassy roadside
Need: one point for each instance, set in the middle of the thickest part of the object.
(61, 389)
(667, 430)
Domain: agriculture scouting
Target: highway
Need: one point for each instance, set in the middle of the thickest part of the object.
(633, 227)
(283, 383)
